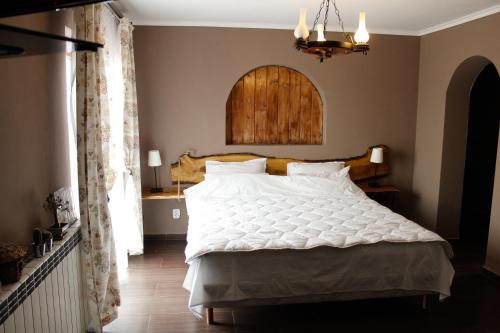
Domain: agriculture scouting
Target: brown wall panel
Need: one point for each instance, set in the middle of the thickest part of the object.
(237, 115)
(284, 105)
(305, 110)
(316, 119)
(294, 113)
(260, 105)
(274, 105)
(248, 108)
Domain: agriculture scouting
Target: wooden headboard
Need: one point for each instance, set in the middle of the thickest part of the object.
(192, 169)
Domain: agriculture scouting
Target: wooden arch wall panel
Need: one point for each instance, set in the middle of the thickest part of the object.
(274, 105)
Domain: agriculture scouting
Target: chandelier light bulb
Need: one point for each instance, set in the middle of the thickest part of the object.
(361, 36)
(301, 30)
(320, 29)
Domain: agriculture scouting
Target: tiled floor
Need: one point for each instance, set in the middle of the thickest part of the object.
(154, 301)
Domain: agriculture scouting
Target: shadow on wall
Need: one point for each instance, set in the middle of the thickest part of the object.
(455, 143)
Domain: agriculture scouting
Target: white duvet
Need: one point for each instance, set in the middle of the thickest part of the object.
(254, 212)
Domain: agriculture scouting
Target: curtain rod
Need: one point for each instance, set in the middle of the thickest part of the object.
(114, 10)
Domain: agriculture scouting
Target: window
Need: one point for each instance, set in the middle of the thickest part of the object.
(71, 117)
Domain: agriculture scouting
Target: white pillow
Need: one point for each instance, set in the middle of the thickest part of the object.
(251, 166)
(319, 169)
(341, 174)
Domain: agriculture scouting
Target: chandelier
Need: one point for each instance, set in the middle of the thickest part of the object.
(323, 48)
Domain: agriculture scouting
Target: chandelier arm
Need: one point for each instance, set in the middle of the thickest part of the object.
(341, 22)
(325, 21)
(319, 14)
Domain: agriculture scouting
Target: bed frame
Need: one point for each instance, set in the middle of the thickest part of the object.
(191, 170)
(428, 299)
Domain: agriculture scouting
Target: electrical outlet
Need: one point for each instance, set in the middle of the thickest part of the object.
(176, 213)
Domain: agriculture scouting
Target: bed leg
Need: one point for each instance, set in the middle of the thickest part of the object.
(424, 302)
(209, 315)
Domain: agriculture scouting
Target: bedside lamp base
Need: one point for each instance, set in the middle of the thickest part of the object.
(157, 188)
(377, 157)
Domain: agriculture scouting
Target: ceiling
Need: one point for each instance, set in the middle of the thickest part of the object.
(399, 17)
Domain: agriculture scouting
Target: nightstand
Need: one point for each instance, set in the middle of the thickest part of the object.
(167, 193)
(383, 194)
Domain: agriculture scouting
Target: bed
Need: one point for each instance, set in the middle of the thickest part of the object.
(271, 239)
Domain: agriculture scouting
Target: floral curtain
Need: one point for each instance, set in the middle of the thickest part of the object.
(131, 154)
(94, 175)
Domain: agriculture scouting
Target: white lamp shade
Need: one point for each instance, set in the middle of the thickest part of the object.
(154, 158)
(321, 33)
(362, 36)
(301, 30)
(377, 155)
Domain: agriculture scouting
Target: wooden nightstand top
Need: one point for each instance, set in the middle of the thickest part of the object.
(167, 193)
(381, 189)
(170, 193)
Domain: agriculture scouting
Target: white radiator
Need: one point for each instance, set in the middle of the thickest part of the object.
(49, 297)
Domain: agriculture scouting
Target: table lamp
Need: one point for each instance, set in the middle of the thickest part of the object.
(154, 161)
(377, 157)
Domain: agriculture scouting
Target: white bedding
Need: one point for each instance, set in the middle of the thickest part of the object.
(255, 212)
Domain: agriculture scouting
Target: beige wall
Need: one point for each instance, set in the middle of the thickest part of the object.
(184, 76)
(33, 133)
(441, 53)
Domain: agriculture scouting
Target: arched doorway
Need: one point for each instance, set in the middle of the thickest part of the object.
(480, 160)
(469, 154)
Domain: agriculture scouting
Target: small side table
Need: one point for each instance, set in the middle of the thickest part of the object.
(383, 194)
(167, 193)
